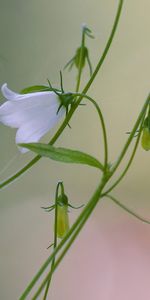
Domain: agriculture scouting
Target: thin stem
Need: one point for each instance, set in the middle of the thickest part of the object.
(55, 241)
(67, 119)
(129, 140)
(9, 163)
(20, 172)
(109, 42)
(90, 66)
(128, 210)
(102, 124)
(129, 163)
(80, 60)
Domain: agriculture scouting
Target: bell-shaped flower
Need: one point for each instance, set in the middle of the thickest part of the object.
(34, 114)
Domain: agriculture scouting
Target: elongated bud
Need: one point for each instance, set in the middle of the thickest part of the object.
(80, 57)
(145, 141)
(62, 216)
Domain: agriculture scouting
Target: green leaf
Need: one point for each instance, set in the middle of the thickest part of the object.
(35, 88)
(63, 154)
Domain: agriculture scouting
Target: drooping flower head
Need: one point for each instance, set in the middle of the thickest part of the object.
(33, 114)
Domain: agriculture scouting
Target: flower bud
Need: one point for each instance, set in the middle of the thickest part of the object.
(81, 59)
(145, 141)
(62, 216)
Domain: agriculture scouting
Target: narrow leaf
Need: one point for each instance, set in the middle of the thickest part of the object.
(35, 88)
(63, 154)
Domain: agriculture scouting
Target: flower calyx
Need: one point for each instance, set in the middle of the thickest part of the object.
(66, 99)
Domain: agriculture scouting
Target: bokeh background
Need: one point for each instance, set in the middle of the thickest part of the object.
(111, 257)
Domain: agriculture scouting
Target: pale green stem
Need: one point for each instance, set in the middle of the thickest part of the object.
(129, 163)
(64, 124)
(128, 210)
(131, 136)
(102, 124)
(80, 61)
(55, 243)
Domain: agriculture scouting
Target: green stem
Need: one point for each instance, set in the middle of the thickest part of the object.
(80, 60)
(102, 124)
(129, 163)
(128, 210)
(109, 42)
(67, 119)
(129, 140)
(55, 241)
(94, 200)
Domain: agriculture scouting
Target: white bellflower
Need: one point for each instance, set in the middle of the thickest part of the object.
(34, 114)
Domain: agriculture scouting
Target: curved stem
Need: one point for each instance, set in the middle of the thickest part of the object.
(102, 124)
(128, 210)
(64, 124)
(129, 163)
(129, 140)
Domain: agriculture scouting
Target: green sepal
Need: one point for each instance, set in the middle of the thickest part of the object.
(88, 32)
(66, 99)
(62, 200)
(63, 154)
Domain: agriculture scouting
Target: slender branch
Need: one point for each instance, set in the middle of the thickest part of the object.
(102, 124)
(80, 60)
(67, 119)
(129, 163)
(128, 210)
(107, 47)
(129, 140)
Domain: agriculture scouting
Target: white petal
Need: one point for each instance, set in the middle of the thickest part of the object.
(16, 113)
(12, 96)
(32, 131)
(34, 114)
(8, 94)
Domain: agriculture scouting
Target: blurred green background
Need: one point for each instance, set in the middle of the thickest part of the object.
(37, 39)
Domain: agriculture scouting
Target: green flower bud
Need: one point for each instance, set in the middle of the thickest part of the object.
(81, 51)
(62, 216)
(145, 141)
